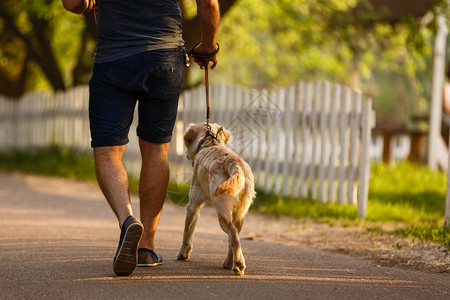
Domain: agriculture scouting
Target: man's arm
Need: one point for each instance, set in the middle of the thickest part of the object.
(209, 15)
(76, 6)
(446, 98)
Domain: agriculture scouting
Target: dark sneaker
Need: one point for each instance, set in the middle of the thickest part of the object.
(126, 255)
(148, 258)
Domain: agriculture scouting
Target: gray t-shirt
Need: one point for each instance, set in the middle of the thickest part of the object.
(127, 27)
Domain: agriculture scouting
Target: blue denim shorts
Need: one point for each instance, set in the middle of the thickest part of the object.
(153, 79)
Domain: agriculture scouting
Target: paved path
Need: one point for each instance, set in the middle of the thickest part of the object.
(58, 238)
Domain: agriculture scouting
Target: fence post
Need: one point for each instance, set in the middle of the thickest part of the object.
(296, 121)
(333, 136)
(447, 197)
(324, 121)
(354, 145)
(270, 157)
(343, 135)
(305, 124)
(280, 98)
(315, 137)
(288, 108)
(436, 92)
(364, 171)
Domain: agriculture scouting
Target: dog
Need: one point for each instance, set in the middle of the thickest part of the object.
(223, 178)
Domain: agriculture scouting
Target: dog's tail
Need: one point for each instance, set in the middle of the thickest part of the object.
(247, 197)
(234, 185)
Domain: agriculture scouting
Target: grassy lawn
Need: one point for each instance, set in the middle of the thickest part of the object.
(409, 196)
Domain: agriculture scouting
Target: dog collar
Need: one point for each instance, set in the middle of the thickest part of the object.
(210, 134)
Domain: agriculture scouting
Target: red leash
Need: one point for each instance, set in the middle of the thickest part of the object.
(202, 58)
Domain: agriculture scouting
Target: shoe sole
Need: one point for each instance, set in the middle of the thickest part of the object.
(126, 259)
(149, 265)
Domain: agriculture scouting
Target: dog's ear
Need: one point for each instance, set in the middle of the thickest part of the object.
(189, 136)
(225, 135)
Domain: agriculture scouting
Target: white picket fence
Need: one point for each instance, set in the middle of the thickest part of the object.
(305, 140)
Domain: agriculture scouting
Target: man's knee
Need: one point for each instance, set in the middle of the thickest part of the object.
(109, 153)
(153, 149)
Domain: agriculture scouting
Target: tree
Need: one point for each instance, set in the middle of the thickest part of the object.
(284, 41)
(264, 43)
(37, 37)
(42, 44)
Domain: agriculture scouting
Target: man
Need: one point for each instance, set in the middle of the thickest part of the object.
(445, 125)
(139, 57)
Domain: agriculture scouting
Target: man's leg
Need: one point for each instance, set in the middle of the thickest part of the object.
(113, 179)
(152, 188)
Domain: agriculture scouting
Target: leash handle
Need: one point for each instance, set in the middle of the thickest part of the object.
(203, 57)
(207, 95)
(198, 55)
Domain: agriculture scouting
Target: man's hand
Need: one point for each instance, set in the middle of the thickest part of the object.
(209, 15)
(76, 6)
(205, 50)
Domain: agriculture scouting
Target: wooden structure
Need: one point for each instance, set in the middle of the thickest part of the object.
(388, 130)
(308, 140)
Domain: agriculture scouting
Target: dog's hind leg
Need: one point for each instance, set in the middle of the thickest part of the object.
(192, 214)
(228, 263)
(238, 223)
(235, 258)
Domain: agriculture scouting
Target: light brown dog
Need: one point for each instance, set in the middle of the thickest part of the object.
(223, 178)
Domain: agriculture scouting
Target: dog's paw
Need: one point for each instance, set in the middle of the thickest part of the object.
(180, 256)
(184, 253)
(227, 264)
(239, 268)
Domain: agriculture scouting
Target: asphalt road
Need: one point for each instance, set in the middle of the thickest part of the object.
(58, 238)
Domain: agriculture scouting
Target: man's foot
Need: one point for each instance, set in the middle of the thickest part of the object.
(148, 258)
(126, 255)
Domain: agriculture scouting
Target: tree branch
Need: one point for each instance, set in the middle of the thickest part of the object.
(15, 88)
(39, 50)
(47, 59)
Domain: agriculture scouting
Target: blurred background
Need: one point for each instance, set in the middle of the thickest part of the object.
(381, 47)
(384, 48)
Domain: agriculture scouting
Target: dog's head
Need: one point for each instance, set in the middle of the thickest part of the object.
(195, 138)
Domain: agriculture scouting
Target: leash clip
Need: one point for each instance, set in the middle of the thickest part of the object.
(210, 133)
(187, 61)
(93, 7)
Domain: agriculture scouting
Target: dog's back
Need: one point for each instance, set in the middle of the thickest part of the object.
(229, 176)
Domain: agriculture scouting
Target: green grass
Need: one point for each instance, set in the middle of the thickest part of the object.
(303, 208)
(50, 161)
(409, 196)
(431, 233)
(406, 193)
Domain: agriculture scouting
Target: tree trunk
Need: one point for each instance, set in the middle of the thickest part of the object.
(15, 88)
(45, 56)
